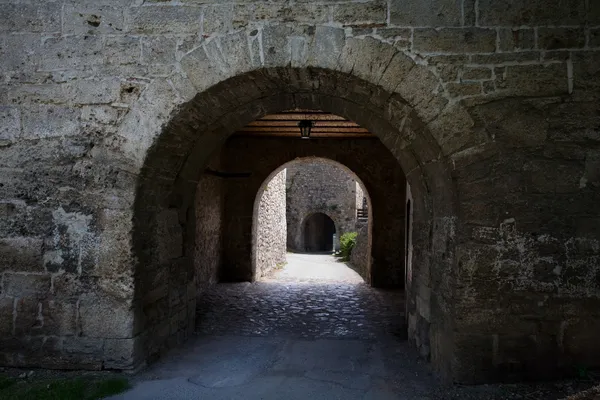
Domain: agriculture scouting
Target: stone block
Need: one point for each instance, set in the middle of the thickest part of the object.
(218, 18)
(561, 38)
(19, 52)
(426, 13)
(546, 176)
(28, 317)
(59, 317)
(327, 47)
(454, 40)
(99, 115)
(45, 121)
(586, 67)
(158, 50)
(594, 37)
(536, 80)
(531, 13)
(26, 285)
(396, 72)
(476, 73)
(516, 39)
(83, 345)
(6, 316)
(22, 17)
(21, 254)
(68, 52)
(122, 353)
(275, 45)
(95, 91)
(243, 14)
(122, 49)
(367, 58)
(460, 89)
(163, 19)
(10, 123)
(502, 58)
(101, 316)
(371, 13)
(92, 19)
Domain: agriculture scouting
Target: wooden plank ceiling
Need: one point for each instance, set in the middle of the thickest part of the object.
(285, 124)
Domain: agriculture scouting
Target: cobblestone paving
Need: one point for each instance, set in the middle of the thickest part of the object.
(252, 344)
(292, 304)
(301, 310)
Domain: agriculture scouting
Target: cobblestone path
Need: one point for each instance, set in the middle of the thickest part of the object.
(325, 300)
(315, 333)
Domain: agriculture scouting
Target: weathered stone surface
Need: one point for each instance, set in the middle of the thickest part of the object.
(516, 39)
(71, 52)
(24, 285)
(426, 13)
(532, 80)
(122, 353)
(10, 123)
(105, 317)
(6, 316)
(561, 38)
(158, 50)
(21, 254)
(476, 73)
(41, 17)
(454, 40)
(535, 12)
(163, 19)
(92, 19)
(585, 71)
(271, 229)
(372, 13)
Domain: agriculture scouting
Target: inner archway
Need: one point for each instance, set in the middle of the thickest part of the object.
(318, 233)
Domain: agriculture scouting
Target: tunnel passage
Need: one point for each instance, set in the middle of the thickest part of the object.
(318, 233)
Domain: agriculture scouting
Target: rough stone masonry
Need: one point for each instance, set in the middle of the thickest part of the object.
(110, 111)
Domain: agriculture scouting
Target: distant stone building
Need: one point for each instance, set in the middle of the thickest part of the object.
(319, 191)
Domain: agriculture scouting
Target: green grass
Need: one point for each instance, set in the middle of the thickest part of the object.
(61, 389)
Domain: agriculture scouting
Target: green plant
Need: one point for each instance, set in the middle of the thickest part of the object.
(347, 243)
(61, 389)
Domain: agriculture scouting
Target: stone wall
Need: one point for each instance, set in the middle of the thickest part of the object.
(110, 111)
(360, 257)
(318, 186)
(208, 235)
(271, 230)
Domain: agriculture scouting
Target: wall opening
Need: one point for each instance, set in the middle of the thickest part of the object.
(318, 233)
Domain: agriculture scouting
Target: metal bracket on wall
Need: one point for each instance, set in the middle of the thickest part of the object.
(222, 174)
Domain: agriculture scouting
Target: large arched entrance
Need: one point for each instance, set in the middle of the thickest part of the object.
(393, 100)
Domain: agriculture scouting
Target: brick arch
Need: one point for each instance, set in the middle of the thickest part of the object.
(364, 80)
(337, 223)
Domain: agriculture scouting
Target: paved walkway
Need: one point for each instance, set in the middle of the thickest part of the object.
(314, 268)
(296, 337)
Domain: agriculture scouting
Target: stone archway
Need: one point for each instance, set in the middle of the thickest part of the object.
(361, 79)
(318, 231)
(431, 186)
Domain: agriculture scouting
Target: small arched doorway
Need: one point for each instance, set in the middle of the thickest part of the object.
(318, 231)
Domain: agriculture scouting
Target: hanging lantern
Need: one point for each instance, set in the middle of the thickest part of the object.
(305, 127)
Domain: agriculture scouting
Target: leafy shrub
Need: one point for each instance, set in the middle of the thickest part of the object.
(347, 243)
